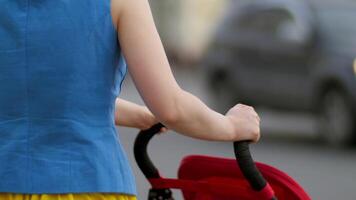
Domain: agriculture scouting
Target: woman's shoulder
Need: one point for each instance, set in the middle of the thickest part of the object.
(116, 9)
(120, 7)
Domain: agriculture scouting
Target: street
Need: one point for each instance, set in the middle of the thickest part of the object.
(288, 143)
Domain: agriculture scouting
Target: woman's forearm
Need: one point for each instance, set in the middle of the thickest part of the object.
(193, 118)
(132, 115)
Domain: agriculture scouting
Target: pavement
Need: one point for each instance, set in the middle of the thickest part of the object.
(288, 142)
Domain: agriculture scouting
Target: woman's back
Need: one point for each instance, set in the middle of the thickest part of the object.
(60, 73)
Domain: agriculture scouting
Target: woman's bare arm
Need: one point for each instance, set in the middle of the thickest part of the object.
(150, 70)
(132, 115)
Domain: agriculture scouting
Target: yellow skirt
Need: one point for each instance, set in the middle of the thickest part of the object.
(81, 196)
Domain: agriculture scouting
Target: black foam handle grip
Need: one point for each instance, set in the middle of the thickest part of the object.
(248, 167)
(140, 151)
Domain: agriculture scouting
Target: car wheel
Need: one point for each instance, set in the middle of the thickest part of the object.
(336, 119)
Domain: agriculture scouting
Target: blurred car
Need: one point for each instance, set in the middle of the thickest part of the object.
(289, 55)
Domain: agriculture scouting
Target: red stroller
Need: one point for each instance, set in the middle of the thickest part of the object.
(211, 178)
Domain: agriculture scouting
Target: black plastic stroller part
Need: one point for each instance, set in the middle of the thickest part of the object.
(242, 154)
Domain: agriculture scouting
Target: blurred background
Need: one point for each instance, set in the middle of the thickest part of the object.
(294, 60)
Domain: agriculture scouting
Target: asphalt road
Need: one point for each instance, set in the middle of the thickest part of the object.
(288, 143)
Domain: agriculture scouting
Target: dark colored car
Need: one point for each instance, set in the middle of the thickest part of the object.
(289, 55)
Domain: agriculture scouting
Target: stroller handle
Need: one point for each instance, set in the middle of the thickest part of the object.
(241, 149)
(140, 151)
(247, 165)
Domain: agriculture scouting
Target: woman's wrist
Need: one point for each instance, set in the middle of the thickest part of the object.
(145, 119)
(229, 129)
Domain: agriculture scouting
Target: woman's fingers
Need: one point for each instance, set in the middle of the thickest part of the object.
(250, 108)
(163, 130)
(246, 122)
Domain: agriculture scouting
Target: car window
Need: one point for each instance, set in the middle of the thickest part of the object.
(337, 27)
(272, 23)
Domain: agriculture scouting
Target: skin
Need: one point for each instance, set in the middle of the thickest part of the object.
(150, 70)
(132, 115)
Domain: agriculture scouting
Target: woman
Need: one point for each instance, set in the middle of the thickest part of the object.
(61, 68)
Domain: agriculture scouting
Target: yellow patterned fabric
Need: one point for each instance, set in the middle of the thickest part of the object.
(79, 196)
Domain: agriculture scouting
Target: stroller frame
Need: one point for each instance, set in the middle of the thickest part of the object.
(257, 187)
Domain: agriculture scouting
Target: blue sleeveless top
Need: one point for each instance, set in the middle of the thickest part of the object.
(60, 72)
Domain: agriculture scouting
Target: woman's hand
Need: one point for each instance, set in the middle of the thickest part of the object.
(245, 123)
